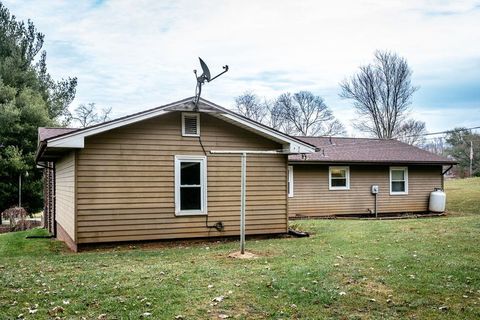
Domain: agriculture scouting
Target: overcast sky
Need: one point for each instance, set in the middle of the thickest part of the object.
(134, 55)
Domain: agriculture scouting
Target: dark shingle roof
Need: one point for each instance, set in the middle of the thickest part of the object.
(47, 133)
(361, 150)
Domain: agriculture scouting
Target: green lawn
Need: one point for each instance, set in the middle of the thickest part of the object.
(463, 195)
(348, 269)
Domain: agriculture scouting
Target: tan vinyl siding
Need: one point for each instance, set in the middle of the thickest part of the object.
(313, 198)
(65, 193)
(126, 182)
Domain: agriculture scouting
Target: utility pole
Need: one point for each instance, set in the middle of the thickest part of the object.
(20, 190)
(471, 158)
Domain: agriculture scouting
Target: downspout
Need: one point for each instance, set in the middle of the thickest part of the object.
(54, 205)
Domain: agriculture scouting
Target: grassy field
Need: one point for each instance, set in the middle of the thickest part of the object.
(348, 269)
(463, 195)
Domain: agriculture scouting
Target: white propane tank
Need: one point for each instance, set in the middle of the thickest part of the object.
(437, 201)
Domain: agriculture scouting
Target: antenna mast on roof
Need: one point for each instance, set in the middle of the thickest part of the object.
(205, 76)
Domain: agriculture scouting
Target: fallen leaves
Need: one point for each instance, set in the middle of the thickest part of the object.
(55, 311)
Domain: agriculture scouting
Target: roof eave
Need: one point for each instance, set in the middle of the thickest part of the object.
(76, 139)
(369, 162)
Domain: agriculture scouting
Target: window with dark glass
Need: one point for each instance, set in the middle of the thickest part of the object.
(398, 180)
(190, 185)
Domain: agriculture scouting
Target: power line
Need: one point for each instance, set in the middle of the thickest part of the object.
(441, 132)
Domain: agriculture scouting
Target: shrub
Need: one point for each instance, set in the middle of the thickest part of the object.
(17, 216)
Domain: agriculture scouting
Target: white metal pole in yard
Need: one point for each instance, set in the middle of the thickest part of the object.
(243, 184)
(243, 197)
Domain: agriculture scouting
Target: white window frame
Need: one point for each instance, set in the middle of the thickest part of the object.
(197, 115)
(405, 174)
(347, 176)
(203, 184)
(290, 181)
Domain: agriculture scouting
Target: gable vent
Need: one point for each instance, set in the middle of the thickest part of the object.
(191, 124)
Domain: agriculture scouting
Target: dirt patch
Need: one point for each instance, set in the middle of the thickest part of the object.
(246, 255)
(376, 288)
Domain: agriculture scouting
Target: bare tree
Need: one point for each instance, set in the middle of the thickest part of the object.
(381, 94)
(104, 114)
(276, 117)
(412, 132)
(308, 114)
(436, 145)
(249, 105)
(86, 115)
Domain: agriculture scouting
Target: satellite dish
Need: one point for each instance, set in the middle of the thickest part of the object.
(206, 71)
(205, 76)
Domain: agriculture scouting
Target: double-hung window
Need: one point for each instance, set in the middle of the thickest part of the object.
(190, 185)
(398, 180)
(339, 178)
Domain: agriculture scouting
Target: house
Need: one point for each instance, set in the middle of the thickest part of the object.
(156, 175)
(151, 176)
(337, 179)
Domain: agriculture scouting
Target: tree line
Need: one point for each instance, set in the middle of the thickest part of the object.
(30, 98)
(301, 113)
(381, 93)
(461, 144)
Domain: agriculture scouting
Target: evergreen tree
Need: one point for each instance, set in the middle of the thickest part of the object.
(464, 144)
(29, 98)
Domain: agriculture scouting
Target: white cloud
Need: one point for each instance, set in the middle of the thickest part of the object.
(132, 55)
